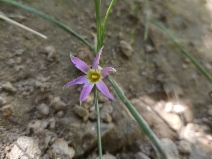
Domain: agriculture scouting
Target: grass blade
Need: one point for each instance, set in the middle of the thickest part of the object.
(22, 26)
(147, 130)
(50, 19)
(98, 23)
(106, 19)
(186, 53)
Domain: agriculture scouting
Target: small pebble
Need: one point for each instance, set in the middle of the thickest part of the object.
(9, 87)
(93, 26)
(51, 56)
(25, 145)
(120, 36)
(46, 156)
(7, 110)
(11, 62)
(184, 147)
(126, 48)
(52, 123)
(109, 34)
(88, 103)
(84, 54)
(184, 66)
(82, 112)
(210, 112)
(58, 104)
(107, 156)
(92, 115)
(18, 68)
(49, 49)
(102, 98)
(19, 60)
(43, 109)
(38, 125)
(107, 109)
(140, 155)
(60, 114)
(149, 49)
(93, 107)
(51, 53)
(2, 101)
(105, 117)
(17, 18)
(19, 52)
(60, 148)
(45, 87)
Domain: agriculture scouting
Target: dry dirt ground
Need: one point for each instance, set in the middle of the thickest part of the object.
(38, 119)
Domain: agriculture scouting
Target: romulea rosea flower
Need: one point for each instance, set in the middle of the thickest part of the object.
(93, 77)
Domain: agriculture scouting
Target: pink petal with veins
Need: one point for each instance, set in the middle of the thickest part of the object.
(103, 88)
(85, 91)
(96, 60)
(81, 65)
(79, 80)
(105, 71)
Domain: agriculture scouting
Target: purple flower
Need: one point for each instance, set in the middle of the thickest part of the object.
(93, 77)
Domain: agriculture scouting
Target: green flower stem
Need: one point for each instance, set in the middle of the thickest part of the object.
(187, 54)
(50, 19)
(98, 122)
(147, 130)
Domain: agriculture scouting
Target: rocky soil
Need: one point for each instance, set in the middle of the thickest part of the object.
(40, 119)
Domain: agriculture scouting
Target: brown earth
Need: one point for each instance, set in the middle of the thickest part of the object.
(162, 84)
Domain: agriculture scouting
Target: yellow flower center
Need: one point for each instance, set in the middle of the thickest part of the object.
(94, 76)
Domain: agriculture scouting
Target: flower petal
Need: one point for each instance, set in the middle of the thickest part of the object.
(81, 65)
(96, 60)
(103, 88)
(85, 91)
(79, 80)
(105, 71)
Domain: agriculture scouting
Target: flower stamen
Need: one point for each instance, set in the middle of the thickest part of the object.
(94, 76)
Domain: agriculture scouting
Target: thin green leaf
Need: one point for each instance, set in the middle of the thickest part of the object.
(106, 19)
(95, 47)
(98, 23)
(50, 19)
(147, 130)
(186, 53)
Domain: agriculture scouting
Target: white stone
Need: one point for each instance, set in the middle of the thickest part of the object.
(43, 109)
(210, 112)
(140, 155)
(184, 147)
(170, 148)
(60, 148)
(173, 120)
(107, 156)
(25, 148)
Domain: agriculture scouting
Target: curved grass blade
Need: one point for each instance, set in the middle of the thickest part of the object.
(22, 26)
(187, 54)
(147, 130)
(106, 19)
(50, 19)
